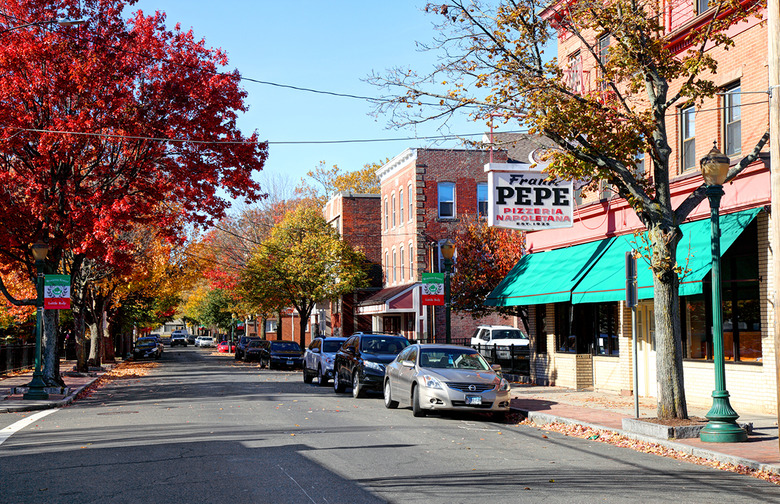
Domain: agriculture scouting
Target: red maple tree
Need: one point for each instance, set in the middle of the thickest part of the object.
(109, 124)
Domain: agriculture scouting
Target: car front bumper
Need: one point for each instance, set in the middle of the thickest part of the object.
(452, 400)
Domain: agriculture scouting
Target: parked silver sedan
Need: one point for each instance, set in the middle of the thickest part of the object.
(445, 377)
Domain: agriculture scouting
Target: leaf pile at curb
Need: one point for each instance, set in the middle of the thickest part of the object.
(615, 439)
(124, 370)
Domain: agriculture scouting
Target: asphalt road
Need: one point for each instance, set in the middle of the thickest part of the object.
(204, 428)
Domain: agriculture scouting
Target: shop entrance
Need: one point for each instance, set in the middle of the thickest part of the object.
(645, 323)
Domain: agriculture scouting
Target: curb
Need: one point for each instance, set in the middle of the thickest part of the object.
(544, 418)
(42, 405)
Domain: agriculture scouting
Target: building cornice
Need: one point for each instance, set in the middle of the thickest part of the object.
(391, 167)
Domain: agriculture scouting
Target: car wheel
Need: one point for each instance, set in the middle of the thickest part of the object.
(338, 387)
(237, 356)
(416, 409)
(389, 403)
(321, 379)
(357, 390)
(307, 378)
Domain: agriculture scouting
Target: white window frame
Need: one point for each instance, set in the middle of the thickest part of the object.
(411, 202)
(732, 120)
(400, 207)
(387, 215)
(450, 186)
(401, 263)
(688, 138)
(411, 261)
(482, 202)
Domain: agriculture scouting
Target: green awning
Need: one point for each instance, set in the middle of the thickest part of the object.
(606, 281)
(547, 277)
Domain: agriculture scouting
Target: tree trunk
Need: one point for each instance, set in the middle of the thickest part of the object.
(668, 333)
(94, 348)
(304, 321)
(279, 327)
(50, 355)
(263, 334)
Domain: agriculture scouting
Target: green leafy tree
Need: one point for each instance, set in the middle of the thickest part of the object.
(493, 65)
(303, 261)
(324, 182)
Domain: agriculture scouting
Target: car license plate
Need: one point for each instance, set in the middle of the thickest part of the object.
(473, 400)
(290, 363)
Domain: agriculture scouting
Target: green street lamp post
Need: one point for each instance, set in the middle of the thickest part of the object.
(447, 251)
(37, 387)
(722, 426)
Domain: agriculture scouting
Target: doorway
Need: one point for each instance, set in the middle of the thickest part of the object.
(646, 371)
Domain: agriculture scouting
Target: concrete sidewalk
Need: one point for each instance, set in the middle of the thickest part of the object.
(602, 411)
(13, 387)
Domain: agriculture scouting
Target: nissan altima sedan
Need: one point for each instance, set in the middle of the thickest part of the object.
(445, 377)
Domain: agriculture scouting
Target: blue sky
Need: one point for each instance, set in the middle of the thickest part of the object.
(324, 45)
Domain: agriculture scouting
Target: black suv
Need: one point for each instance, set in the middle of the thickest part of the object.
(361, 361)
(242, 344)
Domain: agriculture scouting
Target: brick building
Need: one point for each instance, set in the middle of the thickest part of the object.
(357, 219)
(585, 340)
(426, 195)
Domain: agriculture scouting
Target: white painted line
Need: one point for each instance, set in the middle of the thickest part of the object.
(21, 424)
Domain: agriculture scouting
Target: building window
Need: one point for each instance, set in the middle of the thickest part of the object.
(541, 329)
(387, 216)
(603, 53)
(411, 262)
(590, 328)
(733, 120)
(271, 326)
(578, 196)
(411, 203)
(639, 160)
(387, 267)
(482, 200)
(688, 134)
(394, 269)
(574, 73)
(702, 6)
(446, 200)
(400, 206)
(393, 210)
(605, 190)
(401, 264)
(741, 301)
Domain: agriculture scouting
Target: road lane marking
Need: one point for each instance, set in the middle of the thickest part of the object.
(21, 424)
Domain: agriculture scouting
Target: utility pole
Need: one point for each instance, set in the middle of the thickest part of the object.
(773, 57)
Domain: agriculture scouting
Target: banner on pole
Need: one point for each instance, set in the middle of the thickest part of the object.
(56, 292)
(433, 289)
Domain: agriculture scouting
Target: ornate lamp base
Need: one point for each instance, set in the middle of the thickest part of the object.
(722, 426)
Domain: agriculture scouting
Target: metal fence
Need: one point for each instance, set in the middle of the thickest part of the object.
(515, 359)
(16, 357)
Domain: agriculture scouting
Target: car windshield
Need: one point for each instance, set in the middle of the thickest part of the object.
(253, 344)
(285, 346)
(331, 346)
(509, 334)
(146, 341)
(455, 358)
(383, 344)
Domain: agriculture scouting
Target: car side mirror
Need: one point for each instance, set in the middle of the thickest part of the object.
(496, 367)
(407, 363)
(350, 350)
(315, 350)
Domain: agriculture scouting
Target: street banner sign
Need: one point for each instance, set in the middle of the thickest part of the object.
(56, 292)
(522, 197)
(433, 289)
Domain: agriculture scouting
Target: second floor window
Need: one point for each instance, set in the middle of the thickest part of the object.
(401, 206)
(702, 6)
(411, 261)
(603, 52)
(401, 264)
(446, 200)
(688, 134)
(393, 210)
(733, 120)
(387, 216)
(574, 73)
(482, 200)
(411, 203)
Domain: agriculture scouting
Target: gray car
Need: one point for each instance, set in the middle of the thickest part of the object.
(445, 377)
(318, 359)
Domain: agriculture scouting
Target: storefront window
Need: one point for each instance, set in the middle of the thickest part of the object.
(587, 328)
(607, 339)
(740, 297)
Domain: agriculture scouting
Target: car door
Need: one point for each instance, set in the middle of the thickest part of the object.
(395, 373)
(312, 353)
(340, 366)
(407, 371)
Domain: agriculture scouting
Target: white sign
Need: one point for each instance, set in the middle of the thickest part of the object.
(524, 198)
